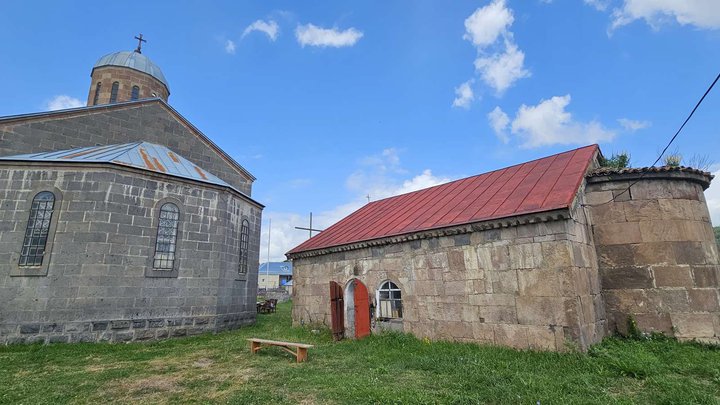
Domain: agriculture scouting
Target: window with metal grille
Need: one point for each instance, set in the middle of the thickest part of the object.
(389, 301)
(97, 93)
(38, 228)
(165, 245)
(244, 243)
(114, 92)
(135, 93)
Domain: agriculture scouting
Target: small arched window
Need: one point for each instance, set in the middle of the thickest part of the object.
(97, 93)
(389, 301)
(135, 93)
(244, 244)
(114, 92)
(166, 237)
(38, 229)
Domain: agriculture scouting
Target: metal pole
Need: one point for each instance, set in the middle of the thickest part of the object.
(267, 265)
(311, 224)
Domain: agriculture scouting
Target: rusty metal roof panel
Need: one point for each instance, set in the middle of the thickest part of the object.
(142, 155)
(540, 185)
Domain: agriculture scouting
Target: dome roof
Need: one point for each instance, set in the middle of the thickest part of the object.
(133, 60)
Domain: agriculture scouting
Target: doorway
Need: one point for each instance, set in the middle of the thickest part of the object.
(357, 309)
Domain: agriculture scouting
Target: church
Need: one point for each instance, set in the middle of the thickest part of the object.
(121, 220)
(551, 254)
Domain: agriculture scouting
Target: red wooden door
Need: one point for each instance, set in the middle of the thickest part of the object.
(362, 310)
(337, 310)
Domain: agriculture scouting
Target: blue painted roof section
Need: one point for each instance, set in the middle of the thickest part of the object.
(135, 61)
(278, 268)
(142, 155)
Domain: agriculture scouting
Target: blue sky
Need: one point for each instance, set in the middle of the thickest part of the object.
(328, 102)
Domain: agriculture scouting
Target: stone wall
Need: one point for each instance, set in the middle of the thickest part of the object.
(528, 286)
(148, 120)
(97, 283)
(150, 87)
(656, 249)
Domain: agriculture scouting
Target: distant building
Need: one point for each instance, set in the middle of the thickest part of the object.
(276, 275)
(121, 220)
(546, 254)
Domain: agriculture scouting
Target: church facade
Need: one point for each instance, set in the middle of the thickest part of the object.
(551, 254)
(121, 221)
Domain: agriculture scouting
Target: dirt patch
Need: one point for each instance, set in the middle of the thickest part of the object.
(203, 363)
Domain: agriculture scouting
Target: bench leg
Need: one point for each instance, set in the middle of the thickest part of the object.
(301, 354)
(254, 347)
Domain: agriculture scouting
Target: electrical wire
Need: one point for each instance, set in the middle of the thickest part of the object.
(666, 147)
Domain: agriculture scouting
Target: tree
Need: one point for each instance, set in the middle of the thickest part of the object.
(616, 161)
(717, 234)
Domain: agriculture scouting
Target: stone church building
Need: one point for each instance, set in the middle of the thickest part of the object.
(550, 254)
(120, 220)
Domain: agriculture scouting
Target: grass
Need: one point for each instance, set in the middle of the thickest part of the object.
(387, 368)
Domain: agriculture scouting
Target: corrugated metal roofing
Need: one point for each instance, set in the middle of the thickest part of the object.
(142, 155)
(540, 185)
(135, 61)
(281, 268)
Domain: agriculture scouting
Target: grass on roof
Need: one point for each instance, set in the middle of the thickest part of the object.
(387, 368)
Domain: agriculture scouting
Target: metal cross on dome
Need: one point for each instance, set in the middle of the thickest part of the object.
(140, 41)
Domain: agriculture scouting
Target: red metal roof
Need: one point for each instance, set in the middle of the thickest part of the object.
(540, 185)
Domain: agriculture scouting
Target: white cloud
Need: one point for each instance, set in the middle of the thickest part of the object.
(230, 47)
(500, 62)
(501, 70)
(699, 13)
(547, 123)
(379, 176)
(62, 102)
(712, 196)
(600, 5)
(269, 28)
(464, 95)
(484, 26)
(633, 125)
(499, 122)
(313, 35)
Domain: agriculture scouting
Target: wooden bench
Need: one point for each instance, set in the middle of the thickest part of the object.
(300, 349)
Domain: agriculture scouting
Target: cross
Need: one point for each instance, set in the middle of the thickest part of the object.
(310, 229)
(140, 41)
(368, 197)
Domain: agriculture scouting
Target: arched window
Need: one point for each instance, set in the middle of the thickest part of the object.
(97, 93)
(135, 93)
(114, 92)
(166, 237)
(38, 228)
(244, 242)
(389, 301)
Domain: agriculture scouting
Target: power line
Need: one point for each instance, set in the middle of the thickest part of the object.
(668, 145)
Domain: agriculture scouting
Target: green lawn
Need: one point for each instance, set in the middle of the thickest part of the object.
(388, 368)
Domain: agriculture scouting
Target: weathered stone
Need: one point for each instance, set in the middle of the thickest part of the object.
(540, 310)
(672, 276)
(120, 324)
(626, 277)
(703, 300)
(705, 276)
(30, 328)
(689, 326)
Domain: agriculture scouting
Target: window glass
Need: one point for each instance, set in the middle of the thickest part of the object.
(135, 93)
(114, 92)
(389, 301)
(244, 243)
(97, 93)
(38, 229)
(165, 246)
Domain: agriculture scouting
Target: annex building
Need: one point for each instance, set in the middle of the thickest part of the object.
(120, 220)
(547, 254)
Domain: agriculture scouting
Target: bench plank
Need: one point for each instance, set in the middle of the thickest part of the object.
(300, 351)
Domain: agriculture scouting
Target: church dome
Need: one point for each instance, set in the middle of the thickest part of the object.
(133, 60)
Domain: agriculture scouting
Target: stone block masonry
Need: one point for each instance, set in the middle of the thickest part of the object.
(532, 286)
(657, 255)
(97, 284)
